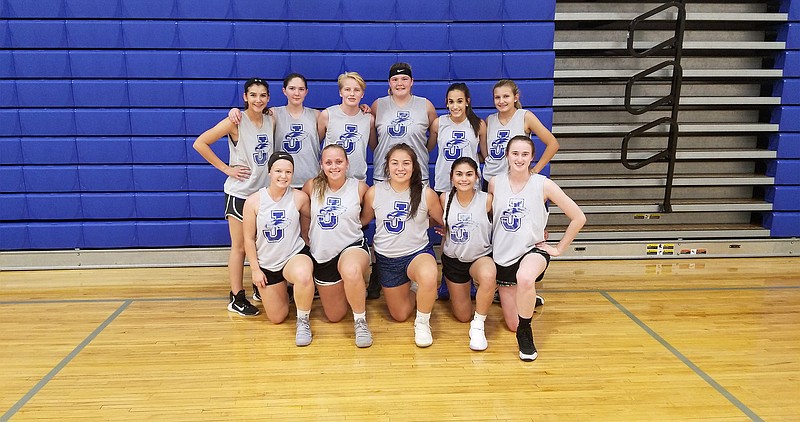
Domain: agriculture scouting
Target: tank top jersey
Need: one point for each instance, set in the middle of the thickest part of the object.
(497, 137)
(352, 133)
(335, 221)
(519, 218)
(396, 233)
(396, 125)
(455, 140)
(277, 230)
(252, 150)
(299, 138)
(469, 229)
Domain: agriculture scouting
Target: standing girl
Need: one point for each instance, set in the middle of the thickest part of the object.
(467, 249)
(457, 135)
(509, 121)
(275, 250)
(346, 125)
(250, 145)
(520, 252)
(338, 248)
(295, 128)
(402, 207)
(402, 117)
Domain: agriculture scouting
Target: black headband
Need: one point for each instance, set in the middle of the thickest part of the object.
(400, 71)
(280, 155)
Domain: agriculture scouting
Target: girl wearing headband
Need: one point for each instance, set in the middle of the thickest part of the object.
(275, 250)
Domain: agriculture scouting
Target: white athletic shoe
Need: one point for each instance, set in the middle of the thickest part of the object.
(422, 334)
(477, 336)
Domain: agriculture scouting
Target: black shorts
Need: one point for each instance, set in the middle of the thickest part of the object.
(327, 273)
(234, 207)
(507, 276)
(275, 277)
(455, 270)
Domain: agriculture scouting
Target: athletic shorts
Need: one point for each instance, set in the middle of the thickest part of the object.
(393, 272)
(327, 273)
(275, 277)
(234, 207)
(507, 276)
(456, 270)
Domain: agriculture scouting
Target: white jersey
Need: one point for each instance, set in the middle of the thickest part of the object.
(497, 137)
(455, 140)
(252, 150)
(352, 133)
(396, 233)
(299, 138)
(519, 218)
(335, 221)
(277, 231)
(469, 229)
(395, 125)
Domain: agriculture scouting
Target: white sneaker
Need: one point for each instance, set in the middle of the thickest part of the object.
(477, 336)
(422, 334)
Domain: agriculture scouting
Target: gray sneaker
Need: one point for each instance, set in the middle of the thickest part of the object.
(303, 334)
(363, 335)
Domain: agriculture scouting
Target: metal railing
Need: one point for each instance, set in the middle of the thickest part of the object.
(672, 47)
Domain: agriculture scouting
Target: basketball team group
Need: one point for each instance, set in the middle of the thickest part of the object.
(297, 205)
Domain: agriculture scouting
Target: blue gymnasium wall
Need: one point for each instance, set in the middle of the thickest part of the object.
(100, 100)
(784, 220)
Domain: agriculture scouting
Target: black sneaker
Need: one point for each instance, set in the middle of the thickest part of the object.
(241, 305)
(527, 350)
(374, 287)
(539, 301)
(496, 298)
(256, 294)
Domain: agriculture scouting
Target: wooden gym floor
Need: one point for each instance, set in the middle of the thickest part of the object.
(715, 339)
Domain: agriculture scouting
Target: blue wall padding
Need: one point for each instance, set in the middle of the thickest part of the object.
(788, 117)
(106, 235)
(54, 206)
(43, 150)
(46, 179)
(786, 144)
(108, 206)
(160, 234)
(13, 207)
(209, 232)
(785, 172)
(788, 90)
(784, 198)
(105, 150)
(114, 178)
(783, 224)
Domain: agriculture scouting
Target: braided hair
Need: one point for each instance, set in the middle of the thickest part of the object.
(463, 160)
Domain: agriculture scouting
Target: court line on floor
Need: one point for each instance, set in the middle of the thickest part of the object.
(702, 374)
(53, 372)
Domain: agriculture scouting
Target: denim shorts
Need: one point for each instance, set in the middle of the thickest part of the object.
(393, 272)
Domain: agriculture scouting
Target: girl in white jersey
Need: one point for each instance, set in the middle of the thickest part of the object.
(402, 207)
(338, 248)
(457, 135)
(295, 128)
(467, 248)
(400, 117)
(347, 125)
(250, 143)
(519, 249)
(275, 250)
(509, 121)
